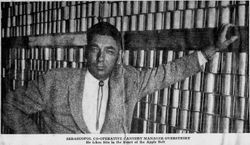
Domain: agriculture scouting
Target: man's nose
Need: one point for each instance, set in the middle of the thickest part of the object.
(100, 56)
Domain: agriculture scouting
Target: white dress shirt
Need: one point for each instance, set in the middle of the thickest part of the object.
(89, 102)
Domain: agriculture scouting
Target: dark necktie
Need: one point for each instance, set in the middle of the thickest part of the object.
(99, 103)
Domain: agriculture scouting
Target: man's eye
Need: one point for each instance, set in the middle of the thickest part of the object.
(110, 51)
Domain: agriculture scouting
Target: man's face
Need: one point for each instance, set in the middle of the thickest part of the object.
(103, 52)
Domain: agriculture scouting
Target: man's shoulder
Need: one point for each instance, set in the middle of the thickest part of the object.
(130, 71)
(130, 68)
(64, 72)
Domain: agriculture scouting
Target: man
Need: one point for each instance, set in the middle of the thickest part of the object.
(101, 97)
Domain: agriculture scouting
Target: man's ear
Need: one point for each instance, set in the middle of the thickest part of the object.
(119, 60)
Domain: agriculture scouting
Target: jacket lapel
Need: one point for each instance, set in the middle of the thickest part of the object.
(75, 99)
(115, 114)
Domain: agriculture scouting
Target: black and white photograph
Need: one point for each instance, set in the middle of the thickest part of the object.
(125, 67)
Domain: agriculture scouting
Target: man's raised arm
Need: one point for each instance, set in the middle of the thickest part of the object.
(160, 77)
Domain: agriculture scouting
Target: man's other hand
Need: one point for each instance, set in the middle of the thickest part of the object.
(221, 43)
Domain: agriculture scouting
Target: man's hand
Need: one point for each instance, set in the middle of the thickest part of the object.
(221, 43)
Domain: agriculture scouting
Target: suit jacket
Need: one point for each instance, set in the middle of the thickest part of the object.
(57, 95)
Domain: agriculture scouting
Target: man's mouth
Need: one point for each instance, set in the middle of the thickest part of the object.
(100, 67)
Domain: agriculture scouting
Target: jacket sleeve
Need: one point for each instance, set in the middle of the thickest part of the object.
(161, 77)
(19, 104)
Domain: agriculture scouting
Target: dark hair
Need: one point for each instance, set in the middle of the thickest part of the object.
(104, 28)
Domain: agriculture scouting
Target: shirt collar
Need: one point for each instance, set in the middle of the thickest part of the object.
(91, 79)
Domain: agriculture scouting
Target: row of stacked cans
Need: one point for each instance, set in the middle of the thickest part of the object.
(138, 17)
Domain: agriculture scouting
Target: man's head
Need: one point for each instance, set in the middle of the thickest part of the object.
(104, 44)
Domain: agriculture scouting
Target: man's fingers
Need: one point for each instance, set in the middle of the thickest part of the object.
(221, 37)
(224, 30)
(231, 40)
(221, 28)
